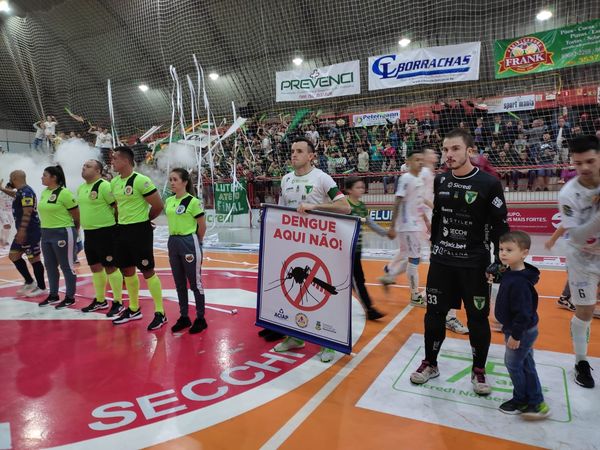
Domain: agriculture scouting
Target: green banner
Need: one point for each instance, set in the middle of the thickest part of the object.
(572, 45)
(227, 200)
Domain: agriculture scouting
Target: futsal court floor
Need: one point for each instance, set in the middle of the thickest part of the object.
(74, 380)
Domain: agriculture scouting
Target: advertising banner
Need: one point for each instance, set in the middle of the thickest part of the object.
(511, 104)
(432, 65)
(322, 82)
(378, 118)
(229, 199)
(533, 220)
(305, 275)
(568, 46)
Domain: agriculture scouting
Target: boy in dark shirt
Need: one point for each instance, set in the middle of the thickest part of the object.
(516, 310)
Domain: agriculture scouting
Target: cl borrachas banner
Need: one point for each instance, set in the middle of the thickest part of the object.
(305, 275)
(432, 65)
(322, 82)
(568, 46)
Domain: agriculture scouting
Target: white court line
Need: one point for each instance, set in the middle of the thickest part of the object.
(5, 440)
(297, 419)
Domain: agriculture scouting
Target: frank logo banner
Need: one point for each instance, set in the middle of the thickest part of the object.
(448, 64)
(322, 82)
(572, 45)
(231, 200)
(305, 275)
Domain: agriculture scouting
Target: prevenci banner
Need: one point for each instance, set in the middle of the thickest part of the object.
(432, 65)
(305, 275)
(572, 45)
(378, 118)
(322, 82)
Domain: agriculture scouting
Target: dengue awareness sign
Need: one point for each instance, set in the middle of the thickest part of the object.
(305, 275)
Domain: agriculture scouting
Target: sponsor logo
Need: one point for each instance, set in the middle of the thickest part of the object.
(470, 196)
(301, 320)
(460, 186)
(479, 302)
(386, 66)
(443, 194)
(318, 326)
(448, 210)
(180, 209)
(282, 315)
(453, 245)
(329, 328)
(189, 258)
(567, 211)
(524, 55)
(315, 80)
(62, 243)
(497, 202)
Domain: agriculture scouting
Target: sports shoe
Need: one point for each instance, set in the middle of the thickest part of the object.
(480, 385)
(127, 316)
(95, 306)
(50, 300)
(115, 310)
(35, 292)
(326, 354)
(199, 325)
(455, 325)
(386, 280)
(564, 302)
(536, 412)
(159, 320)
(418, 300)
(181, 324)
(67, 301)
(512, 407)
(27, 287)
(583, 374)
(373, 314)
(289, 343)
(424, 373)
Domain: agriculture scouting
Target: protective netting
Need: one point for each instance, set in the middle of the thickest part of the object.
(62, 55)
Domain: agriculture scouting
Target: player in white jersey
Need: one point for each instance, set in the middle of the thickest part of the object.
(430, 160)
(308, 188)
(407, 217)
(6, 218)
(579, 203)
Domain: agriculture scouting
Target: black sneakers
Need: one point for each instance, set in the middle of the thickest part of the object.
(158, 321)
(115, 310)
(565, 303)
(373, 314)
(67, 301)
(583, 374)
(50, 300)
(95, 306)
(127, 316)
(199, 325)
(512, 407)
(181, 324)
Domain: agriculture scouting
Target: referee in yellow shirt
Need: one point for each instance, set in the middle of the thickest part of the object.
(187, 226)
(97, 208)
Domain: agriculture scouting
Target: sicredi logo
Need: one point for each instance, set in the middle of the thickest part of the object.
(129, 382)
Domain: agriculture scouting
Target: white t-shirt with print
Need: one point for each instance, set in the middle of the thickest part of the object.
(315, 188)
(411, 189)
(577, 207)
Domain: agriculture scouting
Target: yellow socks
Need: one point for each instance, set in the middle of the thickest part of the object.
(155, 289)
(115, 280)
(133, 289)
(99, 282)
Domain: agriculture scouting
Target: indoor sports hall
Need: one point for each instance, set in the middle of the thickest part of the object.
(173, 274)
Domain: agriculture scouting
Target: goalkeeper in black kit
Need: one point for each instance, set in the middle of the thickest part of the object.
(469, 214)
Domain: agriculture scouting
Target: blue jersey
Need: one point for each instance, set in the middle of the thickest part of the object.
(25, 198)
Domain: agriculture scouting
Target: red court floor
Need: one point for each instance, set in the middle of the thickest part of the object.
(77, 381)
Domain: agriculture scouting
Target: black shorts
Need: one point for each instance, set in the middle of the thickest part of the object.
(135, 246)
(31, 246)
(448, 285)
(100, 245)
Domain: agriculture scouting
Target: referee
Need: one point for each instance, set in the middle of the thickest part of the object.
(469, 213)
(97, 210)
(187, 226)
(138, 204)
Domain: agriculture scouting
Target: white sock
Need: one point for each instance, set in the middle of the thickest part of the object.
(396, 267)
(451, 314)
(413, 277)
(580, 334)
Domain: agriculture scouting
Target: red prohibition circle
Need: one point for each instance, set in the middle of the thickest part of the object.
(318, 264)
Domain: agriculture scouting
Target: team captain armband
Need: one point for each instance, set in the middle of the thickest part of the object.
(27, 201)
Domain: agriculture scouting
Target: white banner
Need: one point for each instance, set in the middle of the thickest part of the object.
(379, 118)
(322, 82)
(432, 65)
(305, 275)
(505, 104)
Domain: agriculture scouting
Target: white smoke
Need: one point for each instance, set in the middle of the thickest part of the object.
(71, 155)
(177, 154)
(32, 166)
